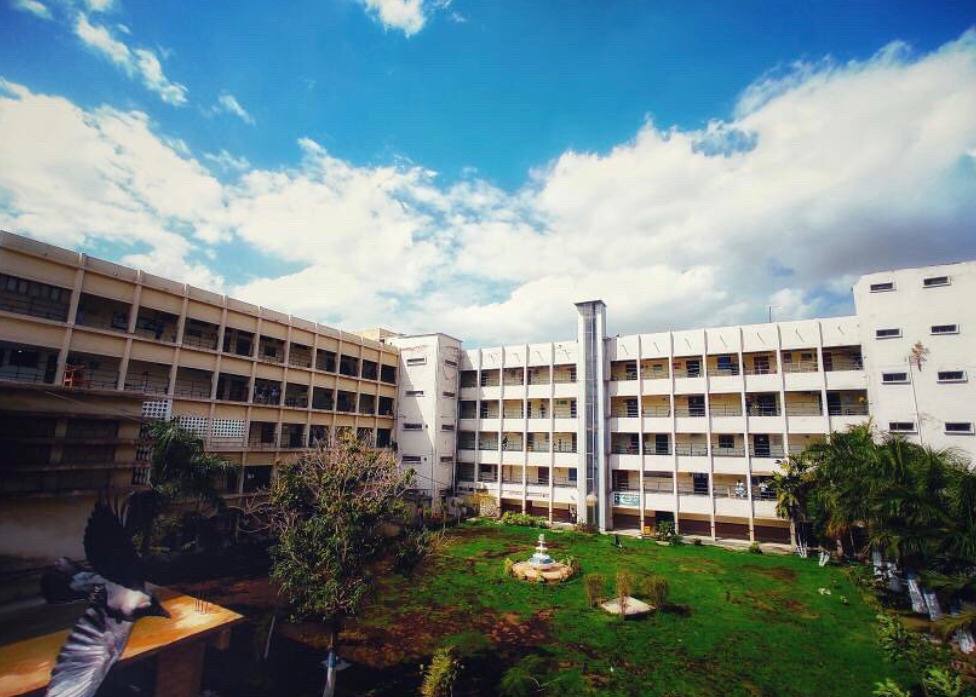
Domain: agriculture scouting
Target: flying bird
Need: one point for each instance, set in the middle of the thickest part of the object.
(117, 597)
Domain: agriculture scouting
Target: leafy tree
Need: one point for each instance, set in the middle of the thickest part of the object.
(337, 512)
(792, 486)
(180, 471)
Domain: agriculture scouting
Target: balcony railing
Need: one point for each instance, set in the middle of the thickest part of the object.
(156, 331)
(625, 412)
(513, 381)
(256, 444)
(564, 413)
(488, 477)
(622, 377)
(760, 494)
(146, 385)
(538, 447)
(655, 375)
(725, 410)
(771, 451)
(225, 443)
(849, 410)
(515, 446)
(91, 379)
(563, 448)
(689, 411)
(658, 486)
(719, 451)
(728, 372)
(803, 410)
(564, 482)
(801, 367)
(756, 410)
(563, 378)
(17, 373)
(624, 449)
(621, 485)
(298, 401)
(300, 360)
(538, 379)
(761, 370)
(686, 373)
(511, 479)
(731, 491)
(198, 389)
(656, 410)
(848, 364)
(35, 307)
(488, 446)
(512, 414)
(208, 342)
(652, 449)
(691, 449)
(692, 490)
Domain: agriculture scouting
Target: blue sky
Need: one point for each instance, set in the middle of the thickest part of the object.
(469, 166)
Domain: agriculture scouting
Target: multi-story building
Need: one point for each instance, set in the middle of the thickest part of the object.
(620, 432)
(689, 426)
(90, 349)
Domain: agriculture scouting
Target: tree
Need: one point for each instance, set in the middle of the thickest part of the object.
(180, 470)
(337, 512)
(792, 485)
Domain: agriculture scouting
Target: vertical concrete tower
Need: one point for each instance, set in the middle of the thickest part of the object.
(593, 487)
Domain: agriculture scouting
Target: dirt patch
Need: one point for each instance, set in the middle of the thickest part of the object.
(777, 572)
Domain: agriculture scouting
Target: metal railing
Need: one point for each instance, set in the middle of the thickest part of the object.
(197, 389)
(691, 449)
(225, 443)
(118, 322)
(692, 490)
(266, 398)
(652, 449)
(165, 332)
(848, 364)
(625, 412)
(146, 385)
(559, 378)
(253, 444)
(731, 491)
(207, 342)
(658, 486)
(761, 370)
(491, 445)
(803, 410)
(725, 409)
(728, 372)
(719, 451)
(689, 411)
(34, 307)
(851, 410)
(538, 448)
(85, 379)
(624, 376)
(657, 411)
(564, 482)
(686, 373)
(564, 413)
(800, 367)
(19, 373)
(755, 410)
(655, 375)
(300, 360)
(300, 401)
(624, 486)
(563, 448)
(622, 449)
(539, 379)
(512, 414)
(513, 381)
(771, 451)
(515, 446)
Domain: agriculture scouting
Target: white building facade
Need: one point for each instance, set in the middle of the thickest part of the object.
(689, 426)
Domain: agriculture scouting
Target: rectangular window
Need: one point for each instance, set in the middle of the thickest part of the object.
(935, 281)
(411, 459)
(882, 287)
(451, 363)
(887, 333)
(448, 394)
(447, 427)
(945, 328)
(447, 459)
(901, 426)
(952, 376)
(894, 378)
(415, 393)
(413, 427)
(959, 427)
(416, 361)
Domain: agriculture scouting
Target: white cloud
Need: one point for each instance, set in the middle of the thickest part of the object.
(99, 5)
(822, 173)
(228, 104)
(408, 16)
(226, 161)
(141, 63)
(35, 7)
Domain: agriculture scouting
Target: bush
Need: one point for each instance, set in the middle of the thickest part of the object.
(697, 542)
(754, 548)
(573, 564)
(889, 688)
(524, 519)
(593, 585)
(508, 564)
(522, 679)
(585, 527)
(665, 530)
(654, 590)
(625, 583)
(441, 674)
(939, 682)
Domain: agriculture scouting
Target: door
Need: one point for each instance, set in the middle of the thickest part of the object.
(700, 483)
(833, 401)
(760, 445)
(694, 367)
(696, 405)
(661, 444)
(761, 365)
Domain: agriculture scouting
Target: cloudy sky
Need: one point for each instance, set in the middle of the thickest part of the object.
(476, 167)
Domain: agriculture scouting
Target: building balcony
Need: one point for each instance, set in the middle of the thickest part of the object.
(732, 507)
(564, 458)
(656, 385)
(565, 389)
(695, 503)
(764, 508)
(626, 461)
(625, 424)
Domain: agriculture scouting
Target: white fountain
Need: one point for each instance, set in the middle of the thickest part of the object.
(541, 567)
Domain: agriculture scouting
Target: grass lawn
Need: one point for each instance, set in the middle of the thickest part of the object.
(744, 624)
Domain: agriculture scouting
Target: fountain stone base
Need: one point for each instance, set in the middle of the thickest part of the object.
(541, 567)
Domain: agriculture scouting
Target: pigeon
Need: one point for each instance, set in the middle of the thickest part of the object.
(117, 597)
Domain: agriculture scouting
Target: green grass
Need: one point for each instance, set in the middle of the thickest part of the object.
(743, 624)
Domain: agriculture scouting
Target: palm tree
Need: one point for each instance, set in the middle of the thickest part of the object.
(180, 470)
(792, 486)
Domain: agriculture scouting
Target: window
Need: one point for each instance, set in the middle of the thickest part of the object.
(451, 363)
(726, 441)
(416, 361)
(901, 426)
(413, 427)
(952, 376)
(448, 394)
(887, 333)
(415, 393)
(959, 427)
(945, 328)
(447, 427)
(411, 459)
(447, 459)
(882, 287)
(894, 378)
(24, 359)
(935, 281)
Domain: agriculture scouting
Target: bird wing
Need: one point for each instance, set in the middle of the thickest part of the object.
(110, 550)
(93, 646)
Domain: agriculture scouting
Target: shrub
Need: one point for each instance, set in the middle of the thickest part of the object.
(441, 674)
(889, 688)
(939, 682)
(676, 540)
(585, 527)
(530, 521)
(654, 590)
(755, 549)
(593, 585)
(522, 679)
(665, 530)
(573, 564)
(697, 542)
(508, 564)
(625, 583)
